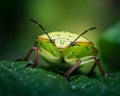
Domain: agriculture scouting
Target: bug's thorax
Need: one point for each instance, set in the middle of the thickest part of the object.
(63, 39)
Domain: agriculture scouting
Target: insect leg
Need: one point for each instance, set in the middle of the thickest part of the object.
(35, 49)
(69, 72)
(28, 55)
(101, 69)
(98, 65)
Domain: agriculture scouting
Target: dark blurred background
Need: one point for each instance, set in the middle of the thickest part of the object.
(17, 33)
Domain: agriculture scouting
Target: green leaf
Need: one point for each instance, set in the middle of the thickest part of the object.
(109, 45)
(42, 82)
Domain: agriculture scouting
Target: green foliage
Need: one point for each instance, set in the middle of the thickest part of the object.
(15, 80)
(110, 46)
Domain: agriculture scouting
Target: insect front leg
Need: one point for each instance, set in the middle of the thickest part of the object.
(70, 71)
(35, 49)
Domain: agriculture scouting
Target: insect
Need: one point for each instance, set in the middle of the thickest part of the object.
(65, 51)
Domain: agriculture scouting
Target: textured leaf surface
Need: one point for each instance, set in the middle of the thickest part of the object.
(15, 80)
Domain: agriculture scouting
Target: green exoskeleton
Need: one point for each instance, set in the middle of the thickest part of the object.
(66, 51)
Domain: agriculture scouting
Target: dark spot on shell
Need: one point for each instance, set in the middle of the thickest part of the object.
(95, 49)
(58, 34)
(87, 48)
(72, 52)
(69, 36)
(77, 45)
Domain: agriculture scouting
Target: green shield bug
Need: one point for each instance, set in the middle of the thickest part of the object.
(65, 51)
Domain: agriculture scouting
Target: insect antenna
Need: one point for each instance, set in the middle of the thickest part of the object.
(92, 28)
(46, 32)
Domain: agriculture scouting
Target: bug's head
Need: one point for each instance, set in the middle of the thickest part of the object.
(61, 41)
